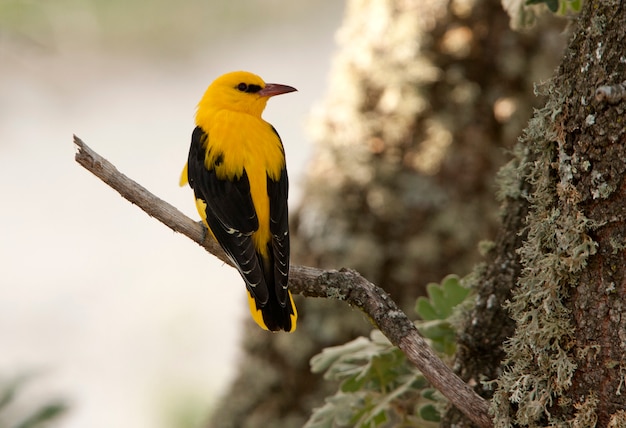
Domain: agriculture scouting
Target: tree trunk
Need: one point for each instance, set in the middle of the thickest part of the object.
(564, 364)
(424, 99)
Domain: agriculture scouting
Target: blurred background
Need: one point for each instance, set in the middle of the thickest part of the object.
(104, 307)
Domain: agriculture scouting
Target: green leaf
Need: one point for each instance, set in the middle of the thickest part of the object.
(425, 310)
(436, 330)
(419, 382)
(429, 412)
(576, 5)
(441, 334)
(438, 300)
(331, 355)
(336, 412)
(379, 419)
(453, 291)
(353, 384)
(429, 394)
(441, 299)
(553, 5)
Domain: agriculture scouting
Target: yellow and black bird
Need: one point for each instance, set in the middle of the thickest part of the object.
(236, 168)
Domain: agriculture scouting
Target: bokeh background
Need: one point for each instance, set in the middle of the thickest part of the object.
(131, 324)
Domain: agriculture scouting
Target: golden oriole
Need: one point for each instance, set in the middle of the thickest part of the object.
(236, 168)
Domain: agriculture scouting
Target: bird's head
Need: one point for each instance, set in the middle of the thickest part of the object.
(241, 91)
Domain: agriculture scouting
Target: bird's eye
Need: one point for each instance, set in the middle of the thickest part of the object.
(242, 87)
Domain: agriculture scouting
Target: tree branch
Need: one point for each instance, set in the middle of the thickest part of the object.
(344, 284)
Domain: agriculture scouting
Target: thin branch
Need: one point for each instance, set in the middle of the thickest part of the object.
(344, 284)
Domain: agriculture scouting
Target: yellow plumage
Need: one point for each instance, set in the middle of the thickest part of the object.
(237, 169)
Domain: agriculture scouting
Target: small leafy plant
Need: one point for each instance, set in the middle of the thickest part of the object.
(436, 311)
(378, 387)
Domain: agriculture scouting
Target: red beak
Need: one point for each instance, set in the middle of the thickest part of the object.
(272, 89)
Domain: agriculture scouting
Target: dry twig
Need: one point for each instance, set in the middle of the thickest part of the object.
(344, 284)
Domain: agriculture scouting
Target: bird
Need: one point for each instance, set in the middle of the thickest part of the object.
(237, 170)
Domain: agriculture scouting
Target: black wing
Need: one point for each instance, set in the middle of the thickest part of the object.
(279, 228)
(229, 211)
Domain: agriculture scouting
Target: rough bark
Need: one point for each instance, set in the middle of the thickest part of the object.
(565, 363)
(424, 99)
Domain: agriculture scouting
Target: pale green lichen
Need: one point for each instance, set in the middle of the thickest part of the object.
(601, 189)
(508, 179)
(586, 415)
(540, 360)
(486, 246)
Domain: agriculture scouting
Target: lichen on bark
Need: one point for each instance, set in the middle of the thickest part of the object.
(565, 361)
(553, 254)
